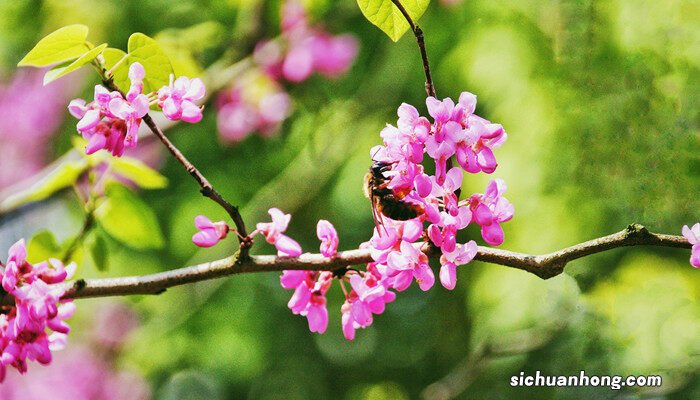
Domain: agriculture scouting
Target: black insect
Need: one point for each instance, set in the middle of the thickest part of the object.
(386, 201)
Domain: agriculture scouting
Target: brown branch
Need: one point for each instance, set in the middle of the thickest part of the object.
(544, 266)
(418, 33)
(207, 188)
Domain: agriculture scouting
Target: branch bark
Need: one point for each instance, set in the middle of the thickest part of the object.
(544, 266)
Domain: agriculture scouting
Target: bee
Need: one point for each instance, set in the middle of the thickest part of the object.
(384, 200)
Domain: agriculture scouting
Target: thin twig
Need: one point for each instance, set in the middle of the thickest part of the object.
(207, 188)
(418, 33)
(544, 266)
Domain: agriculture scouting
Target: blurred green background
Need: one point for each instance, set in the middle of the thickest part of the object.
(600, 101)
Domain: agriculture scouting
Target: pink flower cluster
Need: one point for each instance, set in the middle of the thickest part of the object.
(397, 245)
(693, 236)
(111, 121)
(257, 101)
(254, 103)
(455, 131)
(90, 369)
(38, 307)
(179, 99)
(309, 298)
(310, 287)
(304, 49)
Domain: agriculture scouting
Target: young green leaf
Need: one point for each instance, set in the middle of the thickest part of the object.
(42, 247)
(387, 17)
(65, 44)
(128, 219)
(138, 172)
(147, 52)
(65, 69)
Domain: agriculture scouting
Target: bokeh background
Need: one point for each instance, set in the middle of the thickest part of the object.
(600, 101)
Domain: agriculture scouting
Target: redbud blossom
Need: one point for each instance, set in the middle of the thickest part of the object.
(309, 299)
(491, 209)
(210, 233)
(368, 296)
(329, 238)
(255, 102)
(273, 232)
(179, 99)
(309, 49)
(111, 121)
(462, 254)
(38, 307)
(693, 236)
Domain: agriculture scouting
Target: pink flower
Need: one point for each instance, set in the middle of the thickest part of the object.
(409, 263)
(442, 145)
(333, 56)
(474, 150)
(179, 99)
(254, 103)
(368, 296)
(111, 121)
(23, 327)
(461, 255)
(131, 113)
(299, 63)
(329, 238)
(309, 299)
(310, 49)
(273, 232)
(491, 209)
(693, 236)
(210, 233)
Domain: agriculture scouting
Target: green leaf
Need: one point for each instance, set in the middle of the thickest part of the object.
(120, 75)
(67, 43)
(65, 69)
(387, 17)
(128, 219)
(147, 52)
(138, 172)
(98, 252)
(62, 176)
(42, 247)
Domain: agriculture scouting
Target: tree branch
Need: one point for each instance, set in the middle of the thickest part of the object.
(544, 266)
(207, 188)
(418, 33)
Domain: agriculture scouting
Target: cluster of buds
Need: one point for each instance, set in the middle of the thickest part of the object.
(37, 308)
(257, 102)
(111, 121)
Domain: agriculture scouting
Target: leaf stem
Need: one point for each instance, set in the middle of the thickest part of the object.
(418, 33)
